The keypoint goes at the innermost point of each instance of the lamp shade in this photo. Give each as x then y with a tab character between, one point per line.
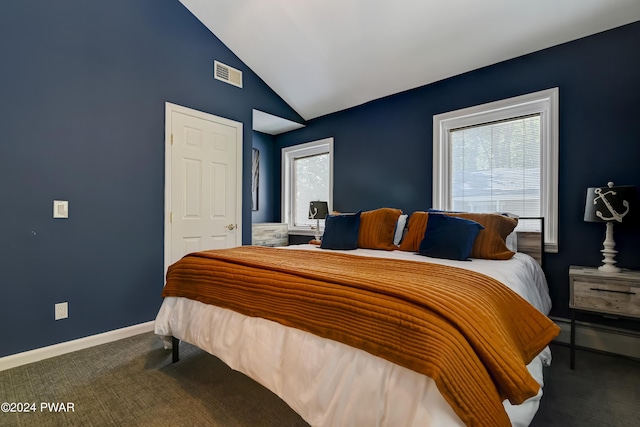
611	203
318	210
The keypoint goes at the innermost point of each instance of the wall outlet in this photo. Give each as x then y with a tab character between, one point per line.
61	209
62	310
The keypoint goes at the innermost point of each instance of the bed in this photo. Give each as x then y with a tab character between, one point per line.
343	368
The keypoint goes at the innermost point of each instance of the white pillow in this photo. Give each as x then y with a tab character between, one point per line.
400	224
512	239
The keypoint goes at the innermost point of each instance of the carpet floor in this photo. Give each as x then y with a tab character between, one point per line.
132	382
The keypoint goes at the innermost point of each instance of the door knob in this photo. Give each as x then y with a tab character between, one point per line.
230	226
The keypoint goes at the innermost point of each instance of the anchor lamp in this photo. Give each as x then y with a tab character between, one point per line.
318	210
611	205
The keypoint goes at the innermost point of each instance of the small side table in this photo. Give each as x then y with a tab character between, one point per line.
611	294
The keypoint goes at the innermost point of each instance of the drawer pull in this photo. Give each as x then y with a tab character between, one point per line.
610	290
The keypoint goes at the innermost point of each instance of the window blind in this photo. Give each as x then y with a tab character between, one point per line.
496	167
311	182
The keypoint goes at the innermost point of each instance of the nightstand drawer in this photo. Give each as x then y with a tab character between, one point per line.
614	298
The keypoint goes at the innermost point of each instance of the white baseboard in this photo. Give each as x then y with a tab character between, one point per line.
31	356
600	337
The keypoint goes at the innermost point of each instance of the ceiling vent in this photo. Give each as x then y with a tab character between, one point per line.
227	74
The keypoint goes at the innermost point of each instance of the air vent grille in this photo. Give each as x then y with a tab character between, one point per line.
227	74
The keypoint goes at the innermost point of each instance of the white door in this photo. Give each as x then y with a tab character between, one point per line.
204	182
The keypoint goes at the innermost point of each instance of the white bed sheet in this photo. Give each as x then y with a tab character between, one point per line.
332	384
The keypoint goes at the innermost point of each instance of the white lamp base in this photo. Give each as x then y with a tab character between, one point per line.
609	252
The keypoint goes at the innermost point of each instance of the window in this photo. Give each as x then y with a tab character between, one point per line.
307	174
500	157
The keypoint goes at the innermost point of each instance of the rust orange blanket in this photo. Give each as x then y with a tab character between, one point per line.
472	335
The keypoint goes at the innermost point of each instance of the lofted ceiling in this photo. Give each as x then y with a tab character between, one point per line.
323	56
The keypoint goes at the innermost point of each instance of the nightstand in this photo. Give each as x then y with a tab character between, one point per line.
608	294
269	234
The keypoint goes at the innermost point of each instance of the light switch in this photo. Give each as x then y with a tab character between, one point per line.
60	209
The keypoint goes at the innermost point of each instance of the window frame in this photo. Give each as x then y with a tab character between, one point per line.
289	155
545	103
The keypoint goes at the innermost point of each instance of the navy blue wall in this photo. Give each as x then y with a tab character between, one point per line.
269	170
83	89
383	149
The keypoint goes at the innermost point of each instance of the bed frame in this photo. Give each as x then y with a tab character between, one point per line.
175	356
532	242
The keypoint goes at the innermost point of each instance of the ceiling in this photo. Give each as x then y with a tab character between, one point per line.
273	125
323	56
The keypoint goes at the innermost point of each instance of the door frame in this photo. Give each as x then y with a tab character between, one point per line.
169	109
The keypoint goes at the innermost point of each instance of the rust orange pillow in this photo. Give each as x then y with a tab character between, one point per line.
491	242
377	228
415	232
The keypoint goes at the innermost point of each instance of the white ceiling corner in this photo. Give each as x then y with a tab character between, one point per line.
272	125
323	56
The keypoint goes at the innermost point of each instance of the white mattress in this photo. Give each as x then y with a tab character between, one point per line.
332	384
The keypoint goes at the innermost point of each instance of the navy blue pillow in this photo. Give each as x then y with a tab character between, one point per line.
449	237
341	231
